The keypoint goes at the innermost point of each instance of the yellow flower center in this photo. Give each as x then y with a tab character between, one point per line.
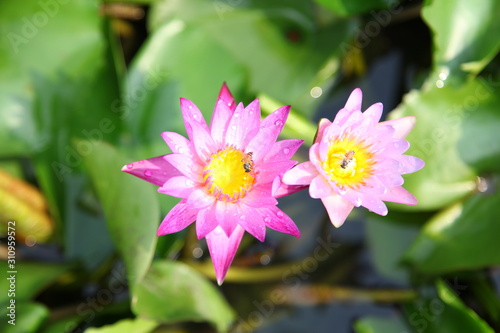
229	174
348	163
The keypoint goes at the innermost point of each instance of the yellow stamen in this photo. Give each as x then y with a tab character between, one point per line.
226	177
348	163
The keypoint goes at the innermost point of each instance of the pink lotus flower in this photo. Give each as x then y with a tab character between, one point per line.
226	175
357	161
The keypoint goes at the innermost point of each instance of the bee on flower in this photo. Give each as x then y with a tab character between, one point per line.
248	162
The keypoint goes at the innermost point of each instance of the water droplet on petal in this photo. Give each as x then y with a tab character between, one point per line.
242	217
267	219
278	123
280	213
148	173
130	166
233	127
180	150
357	202
140	162
286	151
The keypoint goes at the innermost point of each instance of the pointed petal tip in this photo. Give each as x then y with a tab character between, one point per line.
286	108
337	223
225	91
226	97
220	281
160	232
402	126
338	209
357	94
354	101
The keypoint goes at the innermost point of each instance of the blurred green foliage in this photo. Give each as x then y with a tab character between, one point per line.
88	85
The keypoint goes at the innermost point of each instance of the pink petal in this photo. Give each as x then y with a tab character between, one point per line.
220	119
321	148
400	195
370	120
155	170
314	156
180	187
202	141
320	188
374	112
270	128
281	189
269	171
177	219
381	136
390	179
224	108
387	164
374	204
301	174
283	150
226	216
338	209
354	101
191	114
206	221
374	186
355	119
185	166
410	164
340	118
351	196
198	199
275	219
322	125
250	219
397	147
226	97
259	197
331	132
243	125
222	249
402	126
178	144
